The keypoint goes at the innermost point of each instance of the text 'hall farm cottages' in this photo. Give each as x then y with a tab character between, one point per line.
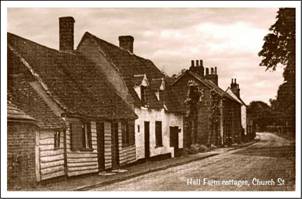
100	107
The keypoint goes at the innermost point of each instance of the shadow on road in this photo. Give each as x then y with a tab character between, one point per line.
278	152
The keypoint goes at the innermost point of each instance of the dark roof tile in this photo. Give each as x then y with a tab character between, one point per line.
73	80
130	66
23	96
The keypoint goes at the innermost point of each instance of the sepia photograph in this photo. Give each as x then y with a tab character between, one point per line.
197	97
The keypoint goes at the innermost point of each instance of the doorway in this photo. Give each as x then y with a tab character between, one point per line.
174	130
114	145
100	145
147	140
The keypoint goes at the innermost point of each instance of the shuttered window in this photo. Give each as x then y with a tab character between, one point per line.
80	133
125	134
57	140
158	134
86	135
131	127
89	135
128	137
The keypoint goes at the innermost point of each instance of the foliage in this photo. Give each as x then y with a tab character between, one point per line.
261	114
279	48
279	45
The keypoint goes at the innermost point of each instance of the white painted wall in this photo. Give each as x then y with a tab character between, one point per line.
167	119
243	119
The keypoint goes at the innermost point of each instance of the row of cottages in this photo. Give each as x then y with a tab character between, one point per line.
95	108
100	106
212	116
83	126
159	126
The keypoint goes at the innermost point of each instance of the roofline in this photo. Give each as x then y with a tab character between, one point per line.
45	87
97	38
239	98
201	81
37	77
23	120
190	73
82	39
87	117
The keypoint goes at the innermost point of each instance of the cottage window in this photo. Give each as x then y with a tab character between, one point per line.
86	136
158	134
57	140
125	134
128	133
131	127
143	95
80	136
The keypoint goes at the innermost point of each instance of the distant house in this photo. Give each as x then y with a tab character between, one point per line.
212	115
234	91
159	126
87	127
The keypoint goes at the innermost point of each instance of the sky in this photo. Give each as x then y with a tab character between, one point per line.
226	38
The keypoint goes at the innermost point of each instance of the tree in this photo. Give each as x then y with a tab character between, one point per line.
279	45
261	114
279	49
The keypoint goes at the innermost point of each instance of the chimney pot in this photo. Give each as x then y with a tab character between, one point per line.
192	63
66	33
215	71
212	71
207	71
197	62
126	42
201	62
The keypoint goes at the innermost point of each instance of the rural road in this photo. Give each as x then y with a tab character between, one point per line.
268	165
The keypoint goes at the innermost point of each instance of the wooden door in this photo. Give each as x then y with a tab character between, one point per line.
100	145
147	140
114	145
174	130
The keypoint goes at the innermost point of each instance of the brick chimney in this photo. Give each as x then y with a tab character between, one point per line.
201	68
235	88
197	67
66	32
212	76
126	42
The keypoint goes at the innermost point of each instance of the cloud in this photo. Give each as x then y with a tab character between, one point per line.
228	38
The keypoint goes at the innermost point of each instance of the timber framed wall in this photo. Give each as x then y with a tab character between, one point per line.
81	162
51	161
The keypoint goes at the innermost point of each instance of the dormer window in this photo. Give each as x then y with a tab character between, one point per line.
140	87
143	95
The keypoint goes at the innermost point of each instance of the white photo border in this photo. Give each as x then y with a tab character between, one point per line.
144	4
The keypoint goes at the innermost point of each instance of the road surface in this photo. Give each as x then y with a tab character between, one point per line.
267	165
